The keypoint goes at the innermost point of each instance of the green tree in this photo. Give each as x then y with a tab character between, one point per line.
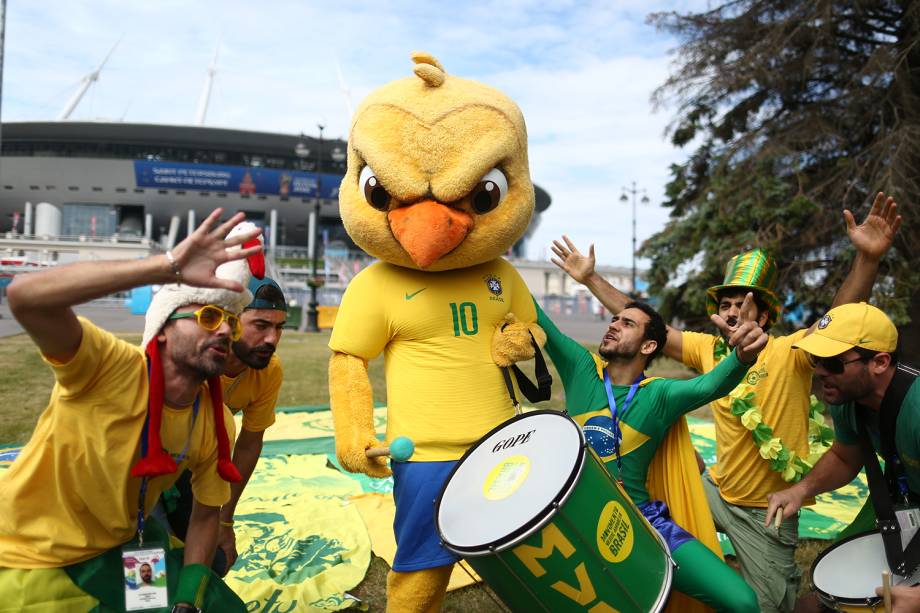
792	111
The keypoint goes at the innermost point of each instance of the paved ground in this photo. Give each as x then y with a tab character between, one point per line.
114	319
119	319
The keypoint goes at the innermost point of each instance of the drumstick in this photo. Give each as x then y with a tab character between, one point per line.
400	450
779	518
886	589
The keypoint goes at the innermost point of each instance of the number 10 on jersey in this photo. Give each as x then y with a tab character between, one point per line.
465	319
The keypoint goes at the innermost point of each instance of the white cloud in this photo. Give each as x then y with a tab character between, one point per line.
582	72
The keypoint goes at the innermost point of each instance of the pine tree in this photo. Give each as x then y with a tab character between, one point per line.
793	111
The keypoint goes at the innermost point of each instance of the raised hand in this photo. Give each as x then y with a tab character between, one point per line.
874	236
199	255
578	266
748	338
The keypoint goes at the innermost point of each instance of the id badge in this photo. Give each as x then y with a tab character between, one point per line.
145	578
909	520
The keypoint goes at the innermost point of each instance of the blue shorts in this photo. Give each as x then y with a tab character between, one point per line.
416	485
657	514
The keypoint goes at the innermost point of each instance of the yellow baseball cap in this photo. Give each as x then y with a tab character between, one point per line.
848	326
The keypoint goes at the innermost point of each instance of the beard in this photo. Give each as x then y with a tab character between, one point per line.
256	357
617	353
209	364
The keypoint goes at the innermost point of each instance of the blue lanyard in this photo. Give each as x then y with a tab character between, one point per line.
143	493
617	414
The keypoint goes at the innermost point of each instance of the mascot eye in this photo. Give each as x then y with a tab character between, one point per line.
374	193
492	189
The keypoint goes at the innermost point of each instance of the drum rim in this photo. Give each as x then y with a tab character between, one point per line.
540	519
841	599
665	592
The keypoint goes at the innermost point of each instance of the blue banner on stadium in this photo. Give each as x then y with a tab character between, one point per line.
240	179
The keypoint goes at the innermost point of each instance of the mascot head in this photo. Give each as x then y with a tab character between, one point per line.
437	172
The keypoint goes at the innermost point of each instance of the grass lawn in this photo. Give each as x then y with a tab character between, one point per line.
27	381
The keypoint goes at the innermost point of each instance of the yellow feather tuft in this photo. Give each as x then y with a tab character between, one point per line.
428	68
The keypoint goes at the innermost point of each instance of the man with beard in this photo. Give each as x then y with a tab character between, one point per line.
775	393
121	424
864	384
636	425
251	381
146	574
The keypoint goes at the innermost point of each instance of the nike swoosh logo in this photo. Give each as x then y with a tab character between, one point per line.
415	293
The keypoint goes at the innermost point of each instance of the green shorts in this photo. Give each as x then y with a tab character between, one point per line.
767	556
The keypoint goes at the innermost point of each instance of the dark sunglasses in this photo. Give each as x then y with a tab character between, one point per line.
836	365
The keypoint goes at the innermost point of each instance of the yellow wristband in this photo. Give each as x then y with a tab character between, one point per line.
226	524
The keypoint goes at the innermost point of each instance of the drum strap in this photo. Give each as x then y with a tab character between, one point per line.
883	488
534	393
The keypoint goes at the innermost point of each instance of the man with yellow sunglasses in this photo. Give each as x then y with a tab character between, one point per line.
251	381
121	425
210	316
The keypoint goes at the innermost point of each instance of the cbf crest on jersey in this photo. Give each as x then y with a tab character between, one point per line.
494	284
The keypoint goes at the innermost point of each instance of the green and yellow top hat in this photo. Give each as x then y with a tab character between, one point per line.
754	270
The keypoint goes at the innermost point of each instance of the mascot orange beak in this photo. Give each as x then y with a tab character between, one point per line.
428	229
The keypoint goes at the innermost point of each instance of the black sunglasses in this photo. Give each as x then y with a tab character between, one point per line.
836	365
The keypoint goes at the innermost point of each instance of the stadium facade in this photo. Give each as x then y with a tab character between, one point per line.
126	181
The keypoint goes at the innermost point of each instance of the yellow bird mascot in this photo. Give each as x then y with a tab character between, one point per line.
437	188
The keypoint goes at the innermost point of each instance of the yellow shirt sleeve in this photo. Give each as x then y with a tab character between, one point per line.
260	414
101	355
255	394
694	345
361	326
801	359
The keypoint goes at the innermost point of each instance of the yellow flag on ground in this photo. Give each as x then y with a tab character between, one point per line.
302	545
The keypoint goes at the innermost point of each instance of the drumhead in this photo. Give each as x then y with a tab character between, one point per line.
510	483
852	568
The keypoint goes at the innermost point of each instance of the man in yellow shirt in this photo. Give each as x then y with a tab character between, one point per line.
775	394
251	381
120	424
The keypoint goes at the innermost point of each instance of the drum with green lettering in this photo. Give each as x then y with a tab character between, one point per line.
534	512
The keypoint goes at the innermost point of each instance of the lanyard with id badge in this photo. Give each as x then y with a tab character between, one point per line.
145	562
616	415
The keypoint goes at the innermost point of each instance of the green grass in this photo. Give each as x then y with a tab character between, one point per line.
27	381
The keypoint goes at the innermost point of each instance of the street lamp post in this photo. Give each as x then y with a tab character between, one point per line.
312	310
624	197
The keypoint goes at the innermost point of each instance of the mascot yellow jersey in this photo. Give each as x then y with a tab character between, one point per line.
443	389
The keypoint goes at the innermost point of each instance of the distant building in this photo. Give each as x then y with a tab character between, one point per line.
151	182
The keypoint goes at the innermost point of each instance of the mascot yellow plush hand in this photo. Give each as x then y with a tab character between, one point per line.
437	188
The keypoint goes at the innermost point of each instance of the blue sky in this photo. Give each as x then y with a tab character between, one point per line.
582	72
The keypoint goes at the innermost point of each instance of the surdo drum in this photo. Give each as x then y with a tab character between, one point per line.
846	574
534	512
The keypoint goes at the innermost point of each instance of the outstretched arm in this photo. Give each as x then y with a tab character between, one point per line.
748	340
41	301
581	268
245	457
872	239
